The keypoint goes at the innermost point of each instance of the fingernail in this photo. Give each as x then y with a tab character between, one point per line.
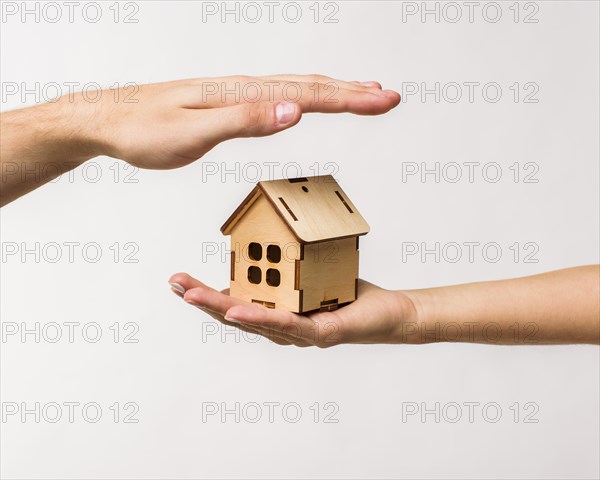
232	320
369	84
176	286
285	112
389	93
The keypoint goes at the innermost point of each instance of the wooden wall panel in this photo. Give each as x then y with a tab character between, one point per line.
329	270
261	224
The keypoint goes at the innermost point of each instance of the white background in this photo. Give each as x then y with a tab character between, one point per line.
176	367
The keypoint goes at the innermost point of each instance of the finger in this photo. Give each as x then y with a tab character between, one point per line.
330	98
326	99
372	84
211	299
216	304
312	79
249	329
312	97
288	325
269	334
322	329
240	85
283	325
181	282
211	308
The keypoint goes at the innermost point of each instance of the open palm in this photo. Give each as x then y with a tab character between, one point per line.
375	317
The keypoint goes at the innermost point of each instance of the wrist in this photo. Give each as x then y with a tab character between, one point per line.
416	317
76	127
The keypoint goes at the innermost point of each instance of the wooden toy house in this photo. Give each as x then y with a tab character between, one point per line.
294	245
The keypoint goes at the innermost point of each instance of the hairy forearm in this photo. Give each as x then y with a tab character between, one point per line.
558	307
38	144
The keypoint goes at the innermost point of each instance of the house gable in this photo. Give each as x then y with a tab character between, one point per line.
261	224
315	209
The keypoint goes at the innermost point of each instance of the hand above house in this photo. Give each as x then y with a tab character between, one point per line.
558	307
166	125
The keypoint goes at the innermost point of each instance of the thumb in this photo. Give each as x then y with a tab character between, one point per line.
252	119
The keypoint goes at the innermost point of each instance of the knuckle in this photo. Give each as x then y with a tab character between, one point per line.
180	277
193	294
242	79
315	77
326	343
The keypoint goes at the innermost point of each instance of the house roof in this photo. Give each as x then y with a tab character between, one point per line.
315	208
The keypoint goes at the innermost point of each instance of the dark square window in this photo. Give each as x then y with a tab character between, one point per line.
273	277
274	253
255	251
254	275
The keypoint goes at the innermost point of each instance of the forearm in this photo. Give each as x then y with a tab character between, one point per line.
552	308
38	144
